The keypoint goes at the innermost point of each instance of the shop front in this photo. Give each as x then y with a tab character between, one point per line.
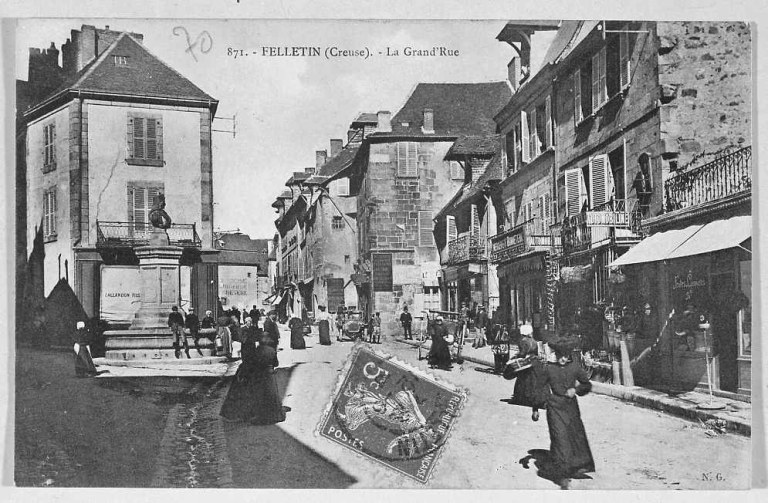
464	283
523	292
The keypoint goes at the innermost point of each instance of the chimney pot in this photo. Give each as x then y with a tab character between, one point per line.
383	121
428	126
336	145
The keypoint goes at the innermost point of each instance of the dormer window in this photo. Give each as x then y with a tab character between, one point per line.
120	60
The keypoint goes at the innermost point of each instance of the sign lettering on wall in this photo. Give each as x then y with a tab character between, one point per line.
239	286
382	272
120	296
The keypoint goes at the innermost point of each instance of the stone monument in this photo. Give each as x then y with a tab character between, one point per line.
149	337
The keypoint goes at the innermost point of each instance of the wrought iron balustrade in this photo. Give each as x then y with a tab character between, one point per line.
725	176
533	235
129	234
466	248
598	226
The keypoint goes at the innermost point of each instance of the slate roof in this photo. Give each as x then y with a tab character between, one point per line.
340	161
459	109
365	119
145	76
476	145
570	34
512	28
239	248
493	172
298	176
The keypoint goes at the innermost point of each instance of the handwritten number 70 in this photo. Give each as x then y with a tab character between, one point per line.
203	42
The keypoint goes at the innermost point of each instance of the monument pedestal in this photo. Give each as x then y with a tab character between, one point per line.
149	337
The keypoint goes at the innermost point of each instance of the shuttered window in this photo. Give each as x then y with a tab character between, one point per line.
600	177
533	135
548	114
578	114
599	90
342	186
141	199
524	138
49	148
425	229
455	170
574	191
625	62
450	228
49	214
475	216
407	158
145	140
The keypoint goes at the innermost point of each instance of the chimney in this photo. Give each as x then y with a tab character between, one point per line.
309	171
383	122
428	126
513	73
320	157
336	146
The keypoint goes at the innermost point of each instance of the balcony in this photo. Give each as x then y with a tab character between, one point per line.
530	236
726	176
466	248
609	223
131	234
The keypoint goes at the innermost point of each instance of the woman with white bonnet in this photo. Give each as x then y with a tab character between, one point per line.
84	366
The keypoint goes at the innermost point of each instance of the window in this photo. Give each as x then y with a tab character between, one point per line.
543	123
141	199
533	137
575	191
120	60
474	216
450	228
49	148
342	187
601	187
456	170
625	60
145	140
599	89
425	228
525	151
49	214
337	223
509	151
578	114
407	157
347	259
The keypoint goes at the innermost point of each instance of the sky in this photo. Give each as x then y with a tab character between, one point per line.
286	108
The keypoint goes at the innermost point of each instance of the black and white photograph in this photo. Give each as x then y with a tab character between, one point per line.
370	253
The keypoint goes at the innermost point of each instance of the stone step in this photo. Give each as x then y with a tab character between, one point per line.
151	342
166	356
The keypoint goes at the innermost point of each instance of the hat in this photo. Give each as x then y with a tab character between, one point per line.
439	318
80	324
563	346
208	313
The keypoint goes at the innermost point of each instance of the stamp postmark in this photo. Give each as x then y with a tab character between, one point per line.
392	413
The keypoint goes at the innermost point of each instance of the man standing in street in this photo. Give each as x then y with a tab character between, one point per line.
271	331
376	337
193	324
405	320
481	325
176	322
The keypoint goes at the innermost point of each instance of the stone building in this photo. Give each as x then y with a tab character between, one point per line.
113	127
243	271
401	180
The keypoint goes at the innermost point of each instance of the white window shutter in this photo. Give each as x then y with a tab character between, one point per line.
573	191
450	231
533	134
603	89
578	114
595	81
599	180
525	139
548	133
625	69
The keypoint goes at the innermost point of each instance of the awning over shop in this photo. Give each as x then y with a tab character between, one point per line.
656	247
693	240
277	300
715	236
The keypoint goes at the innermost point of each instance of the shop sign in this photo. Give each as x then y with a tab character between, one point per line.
239	286
689	286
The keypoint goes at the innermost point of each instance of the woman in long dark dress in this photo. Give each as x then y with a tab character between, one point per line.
253	395
324	326
529	391
297	333
439	354
570	455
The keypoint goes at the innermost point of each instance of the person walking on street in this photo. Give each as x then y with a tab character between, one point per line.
193	325
271	331
254	315
481	326
324	326
570	455
439	355
376	337
406	320
176	322
297	333
81	338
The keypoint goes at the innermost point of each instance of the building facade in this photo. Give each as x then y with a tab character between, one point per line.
121	128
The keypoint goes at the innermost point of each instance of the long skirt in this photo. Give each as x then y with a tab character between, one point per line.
325	332
254	399
84	363
439	354
528	392
569	448
297	338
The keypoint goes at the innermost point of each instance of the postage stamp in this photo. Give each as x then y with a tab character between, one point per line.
392	413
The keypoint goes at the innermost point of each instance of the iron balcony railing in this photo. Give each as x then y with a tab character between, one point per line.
466	248
604	224
533	235
725	176
129	234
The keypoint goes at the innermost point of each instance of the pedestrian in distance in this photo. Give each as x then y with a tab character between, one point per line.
271	331
297	333
406	320
527	371
192	323
570	454
81	338
324	326
254	315
176	323
481	326
439	355
376	337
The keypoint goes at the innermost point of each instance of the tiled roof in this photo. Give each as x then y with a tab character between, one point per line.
241	249
144	76
570	34
316	180
493	172
459	109
476	145
340	161
298	176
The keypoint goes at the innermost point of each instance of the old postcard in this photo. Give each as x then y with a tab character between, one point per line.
381	254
